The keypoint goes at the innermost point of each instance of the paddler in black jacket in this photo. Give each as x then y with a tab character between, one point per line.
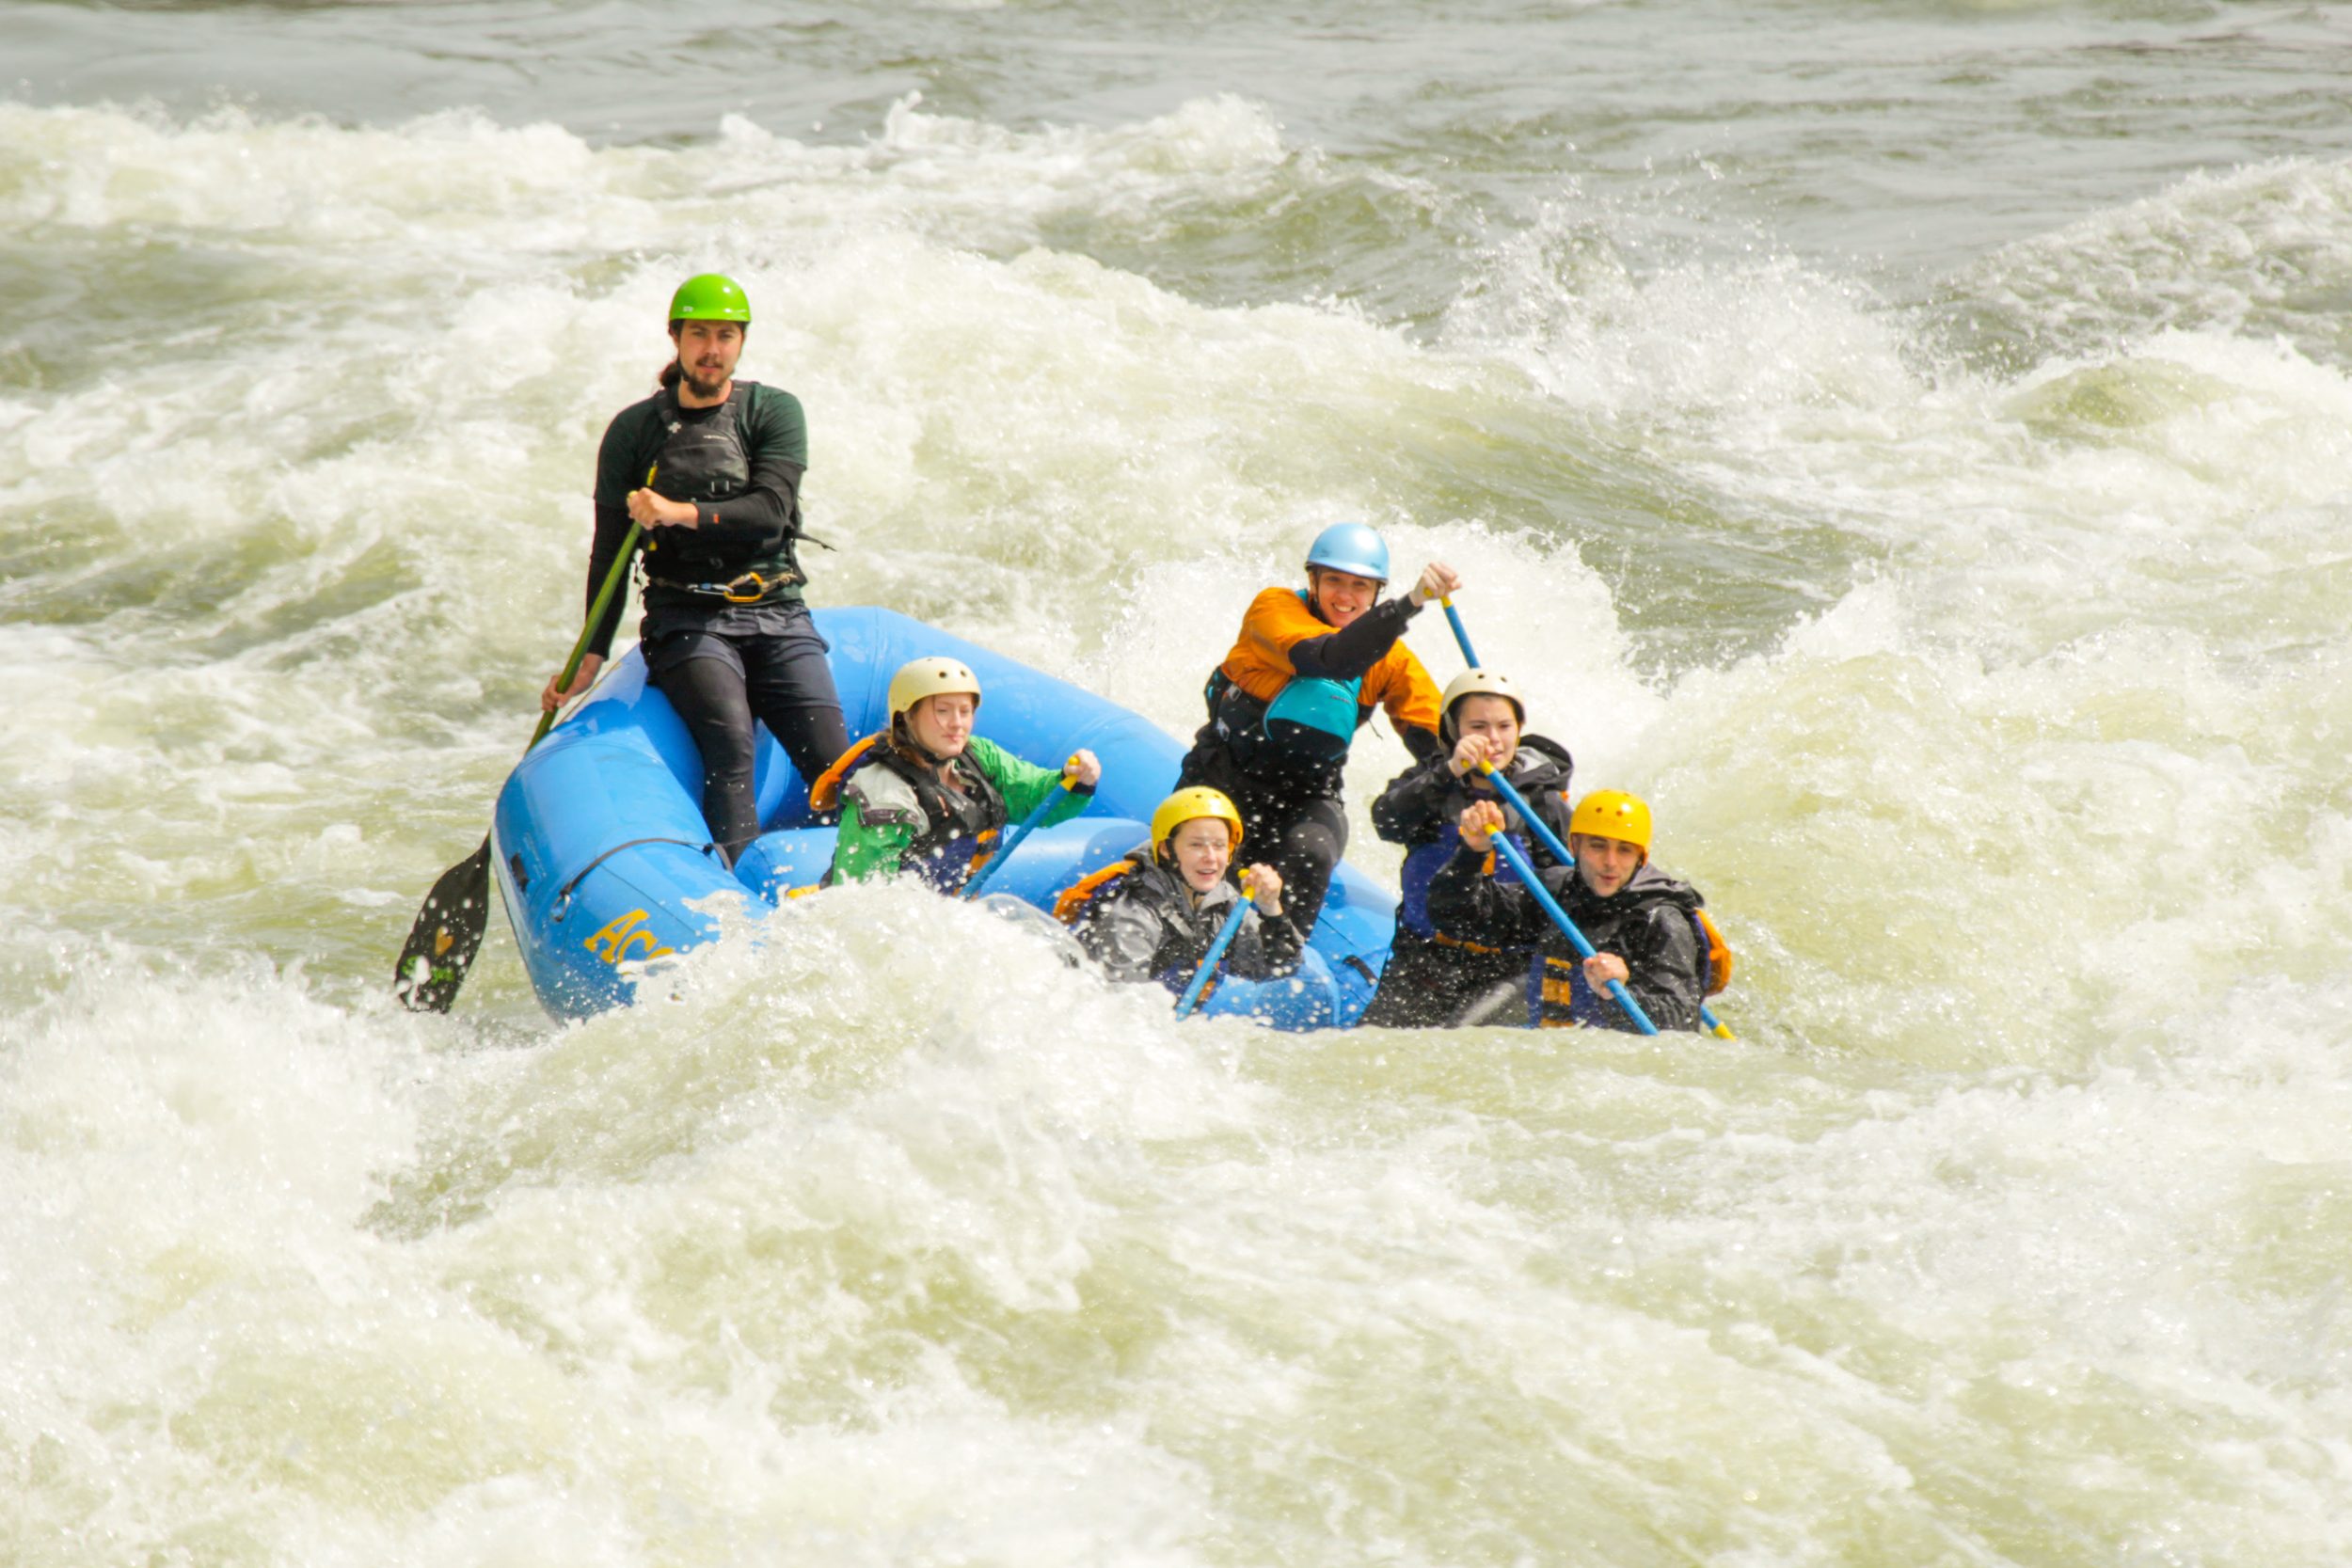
1645	924
1154	914
1435	981
712	468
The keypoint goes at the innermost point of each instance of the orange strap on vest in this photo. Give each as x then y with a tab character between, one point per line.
1485	869
1444	940
1075	898
1717	955
825	793
1561	992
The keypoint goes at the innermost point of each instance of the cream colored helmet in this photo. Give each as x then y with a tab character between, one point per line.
1479	683
919	678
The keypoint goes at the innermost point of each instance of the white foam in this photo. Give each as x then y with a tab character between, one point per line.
879	1236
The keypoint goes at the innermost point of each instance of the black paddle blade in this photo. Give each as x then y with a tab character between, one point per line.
447	935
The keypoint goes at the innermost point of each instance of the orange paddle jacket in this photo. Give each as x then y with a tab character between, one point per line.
1263	658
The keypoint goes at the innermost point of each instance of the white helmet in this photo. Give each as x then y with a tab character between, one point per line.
1479	683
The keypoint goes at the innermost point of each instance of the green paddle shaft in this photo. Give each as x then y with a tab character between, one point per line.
447	933
611	586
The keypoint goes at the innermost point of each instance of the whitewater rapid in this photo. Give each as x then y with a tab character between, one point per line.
1976	628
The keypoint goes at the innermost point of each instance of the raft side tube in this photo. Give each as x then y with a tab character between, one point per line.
600	844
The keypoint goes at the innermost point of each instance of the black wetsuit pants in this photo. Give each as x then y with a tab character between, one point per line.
1301	837
722	670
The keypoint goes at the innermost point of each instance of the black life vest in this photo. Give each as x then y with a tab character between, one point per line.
961	825
1540	772
1559	996
706	460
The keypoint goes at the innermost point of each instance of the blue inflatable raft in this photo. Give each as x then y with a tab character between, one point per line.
599	847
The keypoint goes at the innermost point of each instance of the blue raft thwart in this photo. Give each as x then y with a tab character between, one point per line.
599	845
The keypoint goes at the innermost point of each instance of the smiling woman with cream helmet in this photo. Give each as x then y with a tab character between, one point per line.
926	795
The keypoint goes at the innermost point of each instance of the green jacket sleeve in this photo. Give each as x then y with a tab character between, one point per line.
1023	785
864	853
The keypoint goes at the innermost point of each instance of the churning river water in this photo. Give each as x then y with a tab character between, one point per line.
1909	442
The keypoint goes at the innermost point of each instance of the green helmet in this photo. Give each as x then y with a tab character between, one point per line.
710	296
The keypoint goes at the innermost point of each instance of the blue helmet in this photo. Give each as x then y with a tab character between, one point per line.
1355	548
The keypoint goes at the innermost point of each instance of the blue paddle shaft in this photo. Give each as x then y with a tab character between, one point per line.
1454	618
1559	851
1544	835
1029	825
1520	863
1216	951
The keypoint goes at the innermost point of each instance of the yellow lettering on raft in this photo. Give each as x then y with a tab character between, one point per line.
616	941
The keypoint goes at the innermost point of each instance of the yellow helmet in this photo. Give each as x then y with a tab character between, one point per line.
1481	683
1613	813
919	678
1188	806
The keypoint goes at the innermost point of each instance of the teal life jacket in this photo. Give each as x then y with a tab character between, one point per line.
1300	737
1314	715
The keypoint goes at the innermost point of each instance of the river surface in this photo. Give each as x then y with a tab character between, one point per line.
1909	442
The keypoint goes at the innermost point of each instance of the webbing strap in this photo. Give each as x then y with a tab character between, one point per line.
564	893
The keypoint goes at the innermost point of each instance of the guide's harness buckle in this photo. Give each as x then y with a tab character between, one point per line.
734	591
731	591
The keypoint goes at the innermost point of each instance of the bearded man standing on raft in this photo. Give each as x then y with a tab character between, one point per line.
711	468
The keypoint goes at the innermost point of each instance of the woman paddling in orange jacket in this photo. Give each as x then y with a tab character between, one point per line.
1307	670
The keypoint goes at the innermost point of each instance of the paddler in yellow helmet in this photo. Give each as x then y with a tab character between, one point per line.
1152	916
1306	672
925	796
1649	929
710	468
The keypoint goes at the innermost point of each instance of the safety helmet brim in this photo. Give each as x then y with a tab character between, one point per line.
1190	805
921	678
1352	547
